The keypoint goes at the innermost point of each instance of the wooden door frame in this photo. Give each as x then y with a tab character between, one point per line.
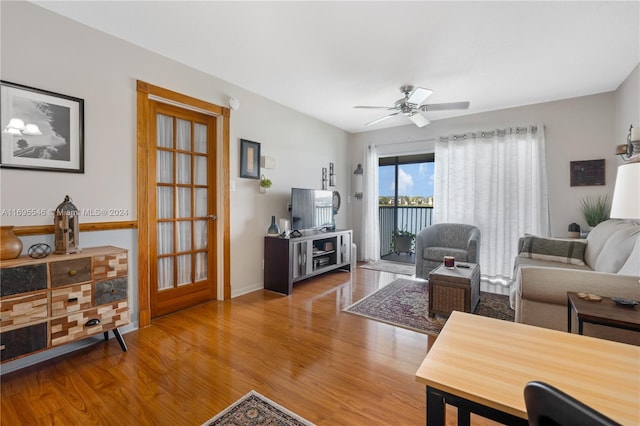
144	93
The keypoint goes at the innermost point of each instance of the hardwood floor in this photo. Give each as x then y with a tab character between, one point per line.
301	351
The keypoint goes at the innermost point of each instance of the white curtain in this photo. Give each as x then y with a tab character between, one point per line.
371	233
497	181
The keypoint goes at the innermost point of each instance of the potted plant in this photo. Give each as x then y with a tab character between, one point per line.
402	241
265	184
595	209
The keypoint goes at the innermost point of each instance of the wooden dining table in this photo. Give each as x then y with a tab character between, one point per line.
481	365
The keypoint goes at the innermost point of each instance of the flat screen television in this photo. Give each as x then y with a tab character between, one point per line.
311	209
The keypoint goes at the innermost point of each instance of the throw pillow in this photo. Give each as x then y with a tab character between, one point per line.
554	249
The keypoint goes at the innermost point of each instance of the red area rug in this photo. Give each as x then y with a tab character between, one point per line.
404	303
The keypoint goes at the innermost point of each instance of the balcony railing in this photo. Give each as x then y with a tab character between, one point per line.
410	218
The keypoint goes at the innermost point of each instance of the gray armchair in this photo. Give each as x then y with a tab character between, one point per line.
446	239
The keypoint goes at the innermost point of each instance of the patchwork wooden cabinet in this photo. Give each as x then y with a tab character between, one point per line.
62	298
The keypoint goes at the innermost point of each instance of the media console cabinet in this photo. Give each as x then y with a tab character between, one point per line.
289	260
62	298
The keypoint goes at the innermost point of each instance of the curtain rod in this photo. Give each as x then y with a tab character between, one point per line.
398	143
490	133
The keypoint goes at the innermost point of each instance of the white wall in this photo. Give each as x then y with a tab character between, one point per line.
576	129
50	52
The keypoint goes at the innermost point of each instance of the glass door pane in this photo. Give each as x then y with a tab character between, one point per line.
182	202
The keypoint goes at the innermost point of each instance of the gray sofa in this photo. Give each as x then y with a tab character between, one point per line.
547	268
433	243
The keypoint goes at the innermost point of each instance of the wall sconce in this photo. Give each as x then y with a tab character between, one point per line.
324	178
357	182
632	147
267	162
17	126
332	175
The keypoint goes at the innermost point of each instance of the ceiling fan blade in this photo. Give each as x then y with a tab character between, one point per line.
418	95
381	119
418	119
374	107
444	106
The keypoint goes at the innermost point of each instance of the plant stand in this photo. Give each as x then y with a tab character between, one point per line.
402	244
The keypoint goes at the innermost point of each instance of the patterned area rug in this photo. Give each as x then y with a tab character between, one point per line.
254	409
393	267
404	303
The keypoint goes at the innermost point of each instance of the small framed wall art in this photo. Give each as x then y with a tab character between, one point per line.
249	159
41	130
587	173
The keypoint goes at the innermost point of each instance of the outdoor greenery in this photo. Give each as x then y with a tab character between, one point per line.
406	201
595	209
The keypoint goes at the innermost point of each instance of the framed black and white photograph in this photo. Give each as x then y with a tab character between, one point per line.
249	159
41	130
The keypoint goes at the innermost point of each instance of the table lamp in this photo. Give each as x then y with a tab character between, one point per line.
626	195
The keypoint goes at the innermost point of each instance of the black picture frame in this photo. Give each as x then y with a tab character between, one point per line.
249	159
56	144
587	173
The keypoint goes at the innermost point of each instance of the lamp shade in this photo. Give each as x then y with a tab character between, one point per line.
626	195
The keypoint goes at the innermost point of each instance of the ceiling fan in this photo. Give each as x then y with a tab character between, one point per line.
411	106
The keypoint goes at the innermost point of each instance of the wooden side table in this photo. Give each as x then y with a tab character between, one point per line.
603	312
454	289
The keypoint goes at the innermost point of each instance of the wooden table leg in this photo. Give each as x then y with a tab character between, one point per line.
119	338
464	417
435	407
569	315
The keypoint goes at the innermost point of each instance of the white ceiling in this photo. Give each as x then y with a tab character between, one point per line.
322	58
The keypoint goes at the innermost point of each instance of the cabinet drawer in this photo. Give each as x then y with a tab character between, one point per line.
70	271
74	326
23	309
65	300
22	279
23	341
110	291
110	266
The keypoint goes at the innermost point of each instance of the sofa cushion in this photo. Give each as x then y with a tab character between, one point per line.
599	236
554	249
525	261
632	265
617	249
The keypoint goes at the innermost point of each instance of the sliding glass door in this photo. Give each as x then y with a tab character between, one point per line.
405	202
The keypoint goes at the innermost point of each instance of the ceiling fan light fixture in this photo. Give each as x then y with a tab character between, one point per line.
418	119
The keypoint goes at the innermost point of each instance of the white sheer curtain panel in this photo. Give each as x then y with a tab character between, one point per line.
497	181
371	237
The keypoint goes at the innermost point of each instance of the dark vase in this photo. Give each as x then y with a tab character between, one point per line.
273	229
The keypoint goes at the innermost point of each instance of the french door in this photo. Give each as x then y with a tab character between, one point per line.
181	208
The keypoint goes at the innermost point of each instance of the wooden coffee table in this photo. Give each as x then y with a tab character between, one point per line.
454	289
603	312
